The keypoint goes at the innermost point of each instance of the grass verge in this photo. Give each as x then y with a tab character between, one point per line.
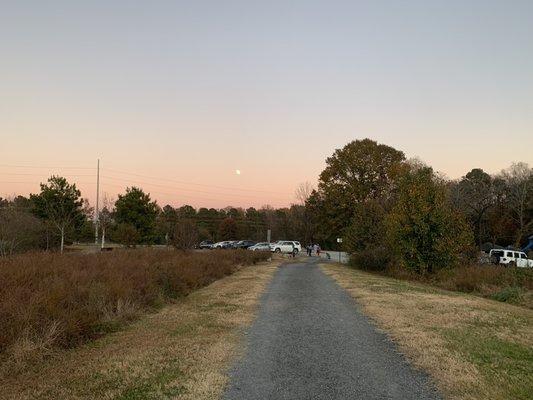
505	284
474	348
180	352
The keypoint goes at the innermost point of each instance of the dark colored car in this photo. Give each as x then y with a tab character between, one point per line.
206	244
243	244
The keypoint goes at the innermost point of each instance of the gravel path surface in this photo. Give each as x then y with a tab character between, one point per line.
310	341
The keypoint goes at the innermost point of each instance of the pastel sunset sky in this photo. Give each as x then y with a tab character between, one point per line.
175	96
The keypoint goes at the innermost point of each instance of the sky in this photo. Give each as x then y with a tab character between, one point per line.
175	96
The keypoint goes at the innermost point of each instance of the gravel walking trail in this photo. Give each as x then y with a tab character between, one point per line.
310	341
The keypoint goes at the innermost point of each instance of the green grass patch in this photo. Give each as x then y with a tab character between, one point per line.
508	363
157	386
513	295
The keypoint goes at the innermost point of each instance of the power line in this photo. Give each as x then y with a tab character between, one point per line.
143	176
229	196
163	193
177	194
26	174
38	183
174	195
181	188
42	167
190	183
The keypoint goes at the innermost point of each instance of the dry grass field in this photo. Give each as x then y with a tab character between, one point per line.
474	348
50	301
182	351
508	285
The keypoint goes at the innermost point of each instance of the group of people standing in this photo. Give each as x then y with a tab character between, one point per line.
313	248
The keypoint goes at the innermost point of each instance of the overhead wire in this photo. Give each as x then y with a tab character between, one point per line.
219	195
43	167
190	183
181	188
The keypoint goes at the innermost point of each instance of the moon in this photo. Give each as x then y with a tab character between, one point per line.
237	172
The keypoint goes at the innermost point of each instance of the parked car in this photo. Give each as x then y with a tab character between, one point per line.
243	244
510	258
205	244
261	246
285	246
222	245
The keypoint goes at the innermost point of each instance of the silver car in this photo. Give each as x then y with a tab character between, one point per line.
262	246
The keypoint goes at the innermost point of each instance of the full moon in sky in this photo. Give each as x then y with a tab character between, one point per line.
237	171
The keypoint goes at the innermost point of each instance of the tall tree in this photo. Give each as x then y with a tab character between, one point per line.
20	230
166	222
360	171
186	211
303	191
424	230
228	229
519	185
208	220
59	203
474	195
185	234
135	208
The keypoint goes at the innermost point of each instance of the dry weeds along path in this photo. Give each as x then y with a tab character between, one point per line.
181	352
310	341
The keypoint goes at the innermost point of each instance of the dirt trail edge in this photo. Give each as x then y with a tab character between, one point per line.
310	341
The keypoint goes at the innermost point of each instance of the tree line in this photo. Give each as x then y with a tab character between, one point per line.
387	209
394	211
58	215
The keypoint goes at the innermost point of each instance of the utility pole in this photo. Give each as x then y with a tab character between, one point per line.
96	211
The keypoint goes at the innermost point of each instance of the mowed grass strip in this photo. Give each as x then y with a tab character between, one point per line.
181	352
474	348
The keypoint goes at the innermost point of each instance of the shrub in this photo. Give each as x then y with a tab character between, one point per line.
184	236
126	234
364	238
483	279
509	295
371	259
513	285
19	231
50	300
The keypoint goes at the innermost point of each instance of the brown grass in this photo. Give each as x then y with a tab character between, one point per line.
181	352
51	300
510	285
513	285
474	348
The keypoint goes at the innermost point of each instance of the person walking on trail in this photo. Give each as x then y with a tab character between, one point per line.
309	250
315	248
318	250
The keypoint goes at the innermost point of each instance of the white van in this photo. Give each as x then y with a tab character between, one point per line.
510	257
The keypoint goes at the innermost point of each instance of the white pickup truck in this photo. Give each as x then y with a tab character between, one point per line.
285	246
510	258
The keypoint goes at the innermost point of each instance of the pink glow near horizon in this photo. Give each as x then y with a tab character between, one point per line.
164	189
193	91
